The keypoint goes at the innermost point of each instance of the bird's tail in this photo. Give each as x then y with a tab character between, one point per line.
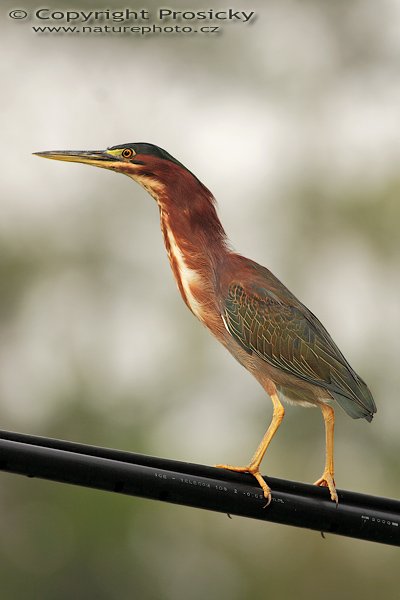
359	404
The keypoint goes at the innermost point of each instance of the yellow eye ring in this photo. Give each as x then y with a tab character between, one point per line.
127	153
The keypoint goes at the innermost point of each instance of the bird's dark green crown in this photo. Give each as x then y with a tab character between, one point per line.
149	150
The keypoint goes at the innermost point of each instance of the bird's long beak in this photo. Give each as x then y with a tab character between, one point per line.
97	158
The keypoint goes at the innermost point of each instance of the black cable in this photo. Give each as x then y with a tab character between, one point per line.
357	515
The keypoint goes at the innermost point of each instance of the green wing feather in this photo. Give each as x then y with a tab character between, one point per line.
289	337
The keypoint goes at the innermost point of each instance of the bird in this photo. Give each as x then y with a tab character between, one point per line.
247	309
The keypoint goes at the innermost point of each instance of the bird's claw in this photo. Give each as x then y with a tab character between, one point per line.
265	488
256	473
268	497
328	481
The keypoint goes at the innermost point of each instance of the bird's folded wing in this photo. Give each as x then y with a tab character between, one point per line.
290	338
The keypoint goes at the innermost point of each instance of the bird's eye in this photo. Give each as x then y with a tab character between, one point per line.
127	153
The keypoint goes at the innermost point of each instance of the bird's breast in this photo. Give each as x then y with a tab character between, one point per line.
194	274
189	280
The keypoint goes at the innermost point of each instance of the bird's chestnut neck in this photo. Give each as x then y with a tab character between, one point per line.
187	209
195	226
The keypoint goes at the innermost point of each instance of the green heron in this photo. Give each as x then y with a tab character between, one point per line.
262	324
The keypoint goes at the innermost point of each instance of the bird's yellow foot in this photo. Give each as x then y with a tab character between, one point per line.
327	481
253	470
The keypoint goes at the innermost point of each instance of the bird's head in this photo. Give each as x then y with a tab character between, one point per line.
151	166
176	190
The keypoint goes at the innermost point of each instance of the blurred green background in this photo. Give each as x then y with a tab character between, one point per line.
293	122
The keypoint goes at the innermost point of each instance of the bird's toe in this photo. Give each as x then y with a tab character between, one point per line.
328	481
253	470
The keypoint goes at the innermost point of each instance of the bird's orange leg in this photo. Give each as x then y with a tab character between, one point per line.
254	466
327	478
